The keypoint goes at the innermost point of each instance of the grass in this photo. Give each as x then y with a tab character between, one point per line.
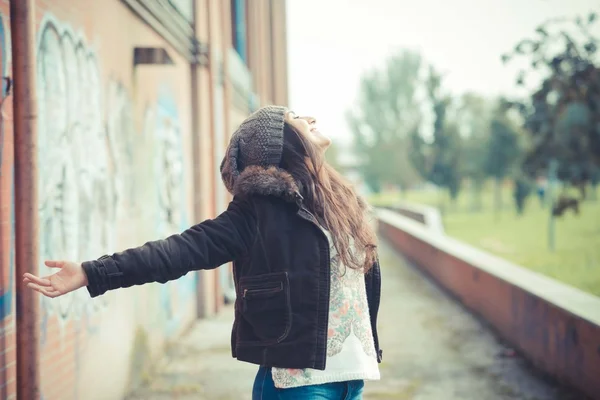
523	239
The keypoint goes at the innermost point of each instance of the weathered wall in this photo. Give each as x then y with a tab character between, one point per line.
127	154
7	238
115	171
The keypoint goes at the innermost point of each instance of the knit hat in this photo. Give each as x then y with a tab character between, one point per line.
258	141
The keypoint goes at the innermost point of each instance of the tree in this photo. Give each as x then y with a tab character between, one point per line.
503	149
474	115
386	111
563	114
439	161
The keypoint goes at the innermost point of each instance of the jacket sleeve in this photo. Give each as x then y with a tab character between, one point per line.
203	246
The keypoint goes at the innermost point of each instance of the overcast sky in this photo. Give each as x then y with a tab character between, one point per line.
332	42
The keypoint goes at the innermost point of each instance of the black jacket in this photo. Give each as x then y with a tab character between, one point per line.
281	270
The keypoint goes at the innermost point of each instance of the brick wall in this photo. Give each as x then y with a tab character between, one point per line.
121	137
7	265
115	171
120	163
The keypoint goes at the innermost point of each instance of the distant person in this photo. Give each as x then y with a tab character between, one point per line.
542	186
306	272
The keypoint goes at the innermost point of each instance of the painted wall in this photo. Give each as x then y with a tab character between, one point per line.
115	171
119	165
7	238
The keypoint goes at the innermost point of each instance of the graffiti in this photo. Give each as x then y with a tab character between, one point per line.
76	192
169	168
171	196
6	293
96	169
7	272
5	53
121	135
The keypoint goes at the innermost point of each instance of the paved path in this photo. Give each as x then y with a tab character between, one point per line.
433	350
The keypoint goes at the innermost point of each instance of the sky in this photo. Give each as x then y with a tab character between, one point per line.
331	43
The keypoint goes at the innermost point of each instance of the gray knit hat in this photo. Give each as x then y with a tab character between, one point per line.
258	141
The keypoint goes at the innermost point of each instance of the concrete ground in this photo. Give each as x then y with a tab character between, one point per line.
432	350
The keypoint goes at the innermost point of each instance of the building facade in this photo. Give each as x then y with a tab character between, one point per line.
136	102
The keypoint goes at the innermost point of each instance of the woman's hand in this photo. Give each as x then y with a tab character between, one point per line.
70	277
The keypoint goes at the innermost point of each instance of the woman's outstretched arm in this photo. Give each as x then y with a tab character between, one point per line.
203	246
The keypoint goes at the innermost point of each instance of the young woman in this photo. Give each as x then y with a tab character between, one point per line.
305	266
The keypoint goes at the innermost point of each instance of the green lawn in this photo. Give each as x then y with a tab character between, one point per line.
524	240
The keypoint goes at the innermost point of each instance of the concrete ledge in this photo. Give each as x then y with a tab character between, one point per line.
426	215
554	325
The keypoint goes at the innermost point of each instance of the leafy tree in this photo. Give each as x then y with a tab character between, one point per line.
563	113
439	162
474	115
503	149
386	112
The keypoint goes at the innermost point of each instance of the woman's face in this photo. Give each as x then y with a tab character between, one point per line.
307	126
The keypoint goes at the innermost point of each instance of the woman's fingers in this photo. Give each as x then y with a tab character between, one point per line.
40	281
46	291
54	264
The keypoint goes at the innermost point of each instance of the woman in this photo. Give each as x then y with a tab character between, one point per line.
305	267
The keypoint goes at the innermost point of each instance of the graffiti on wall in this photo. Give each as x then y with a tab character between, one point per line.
7	271
96	172
171	196
5	53
7	282
121	137
169	168
77	197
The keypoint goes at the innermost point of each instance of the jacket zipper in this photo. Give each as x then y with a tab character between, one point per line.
259	291
249	292
311	218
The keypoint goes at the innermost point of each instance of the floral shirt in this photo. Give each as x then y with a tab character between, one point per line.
350	347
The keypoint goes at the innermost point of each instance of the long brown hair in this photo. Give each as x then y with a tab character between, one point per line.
331	199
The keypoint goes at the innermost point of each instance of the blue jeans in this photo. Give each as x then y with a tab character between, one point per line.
264	389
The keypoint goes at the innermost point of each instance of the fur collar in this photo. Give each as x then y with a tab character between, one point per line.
272	181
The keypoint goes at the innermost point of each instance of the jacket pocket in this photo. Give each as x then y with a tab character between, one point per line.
265	308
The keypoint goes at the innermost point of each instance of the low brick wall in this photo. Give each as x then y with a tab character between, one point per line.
555	326
429	216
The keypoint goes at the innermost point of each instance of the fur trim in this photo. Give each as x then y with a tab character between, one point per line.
271	181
